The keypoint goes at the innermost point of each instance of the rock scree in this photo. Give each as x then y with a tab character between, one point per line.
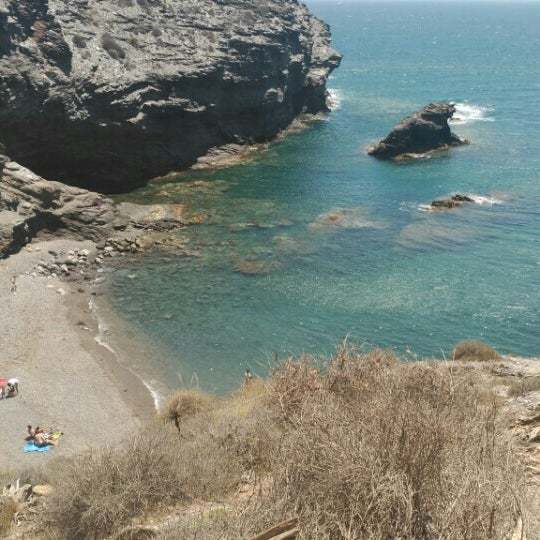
424	131
106	95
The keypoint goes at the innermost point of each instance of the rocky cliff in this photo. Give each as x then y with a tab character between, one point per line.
106	94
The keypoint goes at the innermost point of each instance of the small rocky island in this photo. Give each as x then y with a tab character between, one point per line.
454	201
423	132
106	95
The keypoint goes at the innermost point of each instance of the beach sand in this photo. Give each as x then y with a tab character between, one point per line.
67	379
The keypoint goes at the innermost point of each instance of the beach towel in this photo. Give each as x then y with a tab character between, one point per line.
31	447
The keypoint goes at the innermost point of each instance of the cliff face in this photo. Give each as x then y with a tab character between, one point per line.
106	94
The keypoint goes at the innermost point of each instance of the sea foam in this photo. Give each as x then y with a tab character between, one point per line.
485	199
334	99
467	113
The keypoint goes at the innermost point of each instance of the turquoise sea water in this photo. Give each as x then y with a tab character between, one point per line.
390	274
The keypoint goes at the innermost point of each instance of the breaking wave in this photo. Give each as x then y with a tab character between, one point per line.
334	99
467	113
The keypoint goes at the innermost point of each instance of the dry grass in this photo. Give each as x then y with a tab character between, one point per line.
101	490
368	448
523	386
8	509
475	351
387	450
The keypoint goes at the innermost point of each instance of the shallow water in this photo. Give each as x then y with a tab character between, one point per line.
342	241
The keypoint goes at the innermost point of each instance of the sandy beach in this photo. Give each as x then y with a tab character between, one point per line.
68	380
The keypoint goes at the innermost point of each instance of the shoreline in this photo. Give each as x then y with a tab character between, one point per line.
136	353
68	379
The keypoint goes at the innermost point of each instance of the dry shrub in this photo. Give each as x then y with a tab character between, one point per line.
475	351
292	382
523	385
8	509
390	450
214	524
184	404
100	491
225	446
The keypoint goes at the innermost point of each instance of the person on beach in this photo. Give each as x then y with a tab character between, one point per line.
9	388
42	438
13	284
248	377
12	387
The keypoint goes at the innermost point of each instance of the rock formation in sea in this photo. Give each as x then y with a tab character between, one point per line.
454	201
424	131
105	95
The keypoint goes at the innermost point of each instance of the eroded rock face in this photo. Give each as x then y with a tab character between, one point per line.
425	131
108	94
31	206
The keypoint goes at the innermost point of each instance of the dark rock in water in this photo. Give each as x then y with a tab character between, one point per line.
105	95
424	131
451	202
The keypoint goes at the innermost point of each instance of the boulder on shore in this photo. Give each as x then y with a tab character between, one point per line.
424	131
107	95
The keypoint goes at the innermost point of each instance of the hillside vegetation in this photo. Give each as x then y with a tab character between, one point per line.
367	448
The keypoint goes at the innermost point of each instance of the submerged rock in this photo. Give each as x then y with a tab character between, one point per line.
251	267
451	202
425	131
106	95
344	218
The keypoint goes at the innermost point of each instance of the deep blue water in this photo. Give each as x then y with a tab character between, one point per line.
392	275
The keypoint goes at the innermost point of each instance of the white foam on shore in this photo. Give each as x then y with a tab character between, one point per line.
101	340
335	99
467	113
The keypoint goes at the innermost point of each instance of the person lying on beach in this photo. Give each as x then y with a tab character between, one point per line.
42	438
